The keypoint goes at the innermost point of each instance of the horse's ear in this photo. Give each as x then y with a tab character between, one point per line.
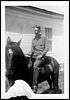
18	43
8	39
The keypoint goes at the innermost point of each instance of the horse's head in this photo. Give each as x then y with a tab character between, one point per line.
12	48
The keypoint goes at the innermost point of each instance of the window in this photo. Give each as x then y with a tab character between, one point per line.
48	34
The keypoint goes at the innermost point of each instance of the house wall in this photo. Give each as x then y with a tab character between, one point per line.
20	25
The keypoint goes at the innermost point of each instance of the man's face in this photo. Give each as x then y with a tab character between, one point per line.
36	30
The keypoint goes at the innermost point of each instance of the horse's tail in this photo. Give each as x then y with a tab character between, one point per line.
55	66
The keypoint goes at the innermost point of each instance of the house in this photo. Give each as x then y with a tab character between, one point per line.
19	22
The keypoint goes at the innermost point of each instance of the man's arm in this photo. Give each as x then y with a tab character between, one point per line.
46	47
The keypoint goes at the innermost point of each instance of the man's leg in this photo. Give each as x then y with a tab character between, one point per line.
36	72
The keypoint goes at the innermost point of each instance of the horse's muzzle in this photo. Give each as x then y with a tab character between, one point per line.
10	53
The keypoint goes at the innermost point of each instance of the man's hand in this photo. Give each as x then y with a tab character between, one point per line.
39	57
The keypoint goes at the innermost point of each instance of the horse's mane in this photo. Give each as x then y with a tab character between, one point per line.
19	51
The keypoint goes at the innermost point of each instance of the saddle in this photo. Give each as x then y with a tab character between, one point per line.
45	61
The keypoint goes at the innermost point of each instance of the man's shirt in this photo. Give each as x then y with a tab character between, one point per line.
38	45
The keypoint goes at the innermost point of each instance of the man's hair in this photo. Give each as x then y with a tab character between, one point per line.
37	27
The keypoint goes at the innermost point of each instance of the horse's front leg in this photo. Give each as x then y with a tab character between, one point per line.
30	63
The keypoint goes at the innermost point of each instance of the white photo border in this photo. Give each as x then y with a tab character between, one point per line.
66	45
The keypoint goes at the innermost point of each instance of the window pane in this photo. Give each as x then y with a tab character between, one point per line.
48	33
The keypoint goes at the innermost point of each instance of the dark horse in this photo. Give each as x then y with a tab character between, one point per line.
17	66
16	63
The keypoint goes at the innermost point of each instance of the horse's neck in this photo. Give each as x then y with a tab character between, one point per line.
20	52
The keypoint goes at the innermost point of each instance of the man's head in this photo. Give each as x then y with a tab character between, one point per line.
37	29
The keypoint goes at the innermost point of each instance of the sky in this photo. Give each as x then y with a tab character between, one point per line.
57	9
55	6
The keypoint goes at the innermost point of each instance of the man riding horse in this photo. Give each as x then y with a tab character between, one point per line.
43	67
38	51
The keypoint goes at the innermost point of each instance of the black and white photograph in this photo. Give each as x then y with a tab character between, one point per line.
34	49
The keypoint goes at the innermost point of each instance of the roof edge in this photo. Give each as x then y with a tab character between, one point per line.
37	11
